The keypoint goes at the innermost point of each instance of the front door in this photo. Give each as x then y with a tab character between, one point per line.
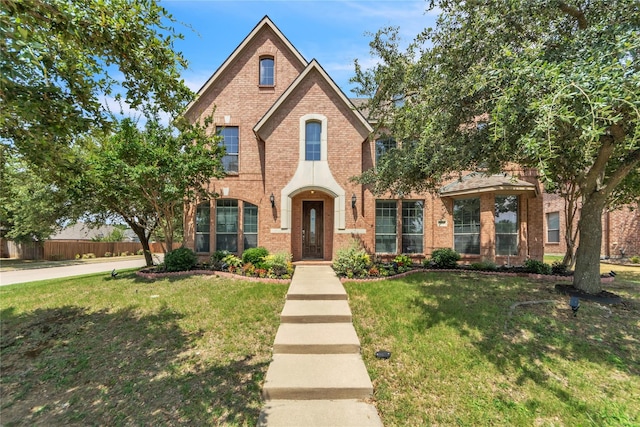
312	230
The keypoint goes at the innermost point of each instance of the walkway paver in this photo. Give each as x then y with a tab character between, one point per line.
317	376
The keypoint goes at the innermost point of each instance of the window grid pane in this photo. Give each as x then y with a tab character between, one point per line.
386	212
266	72
412	227
203	216
227	225
250	225
506	222
312	140
553	227
466	226
230	142
384	145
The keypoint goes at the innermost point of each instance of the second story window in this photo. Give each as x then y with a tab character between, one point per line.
313	131
267	73
383	145
230	142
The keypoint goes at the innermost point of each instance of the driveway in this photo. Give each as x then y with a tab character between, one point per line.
35	274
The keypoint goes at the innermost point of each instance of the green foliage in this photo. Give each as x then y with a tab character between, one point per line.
484	266
352	261
635	259
117	235
181	259
215	260
232	261
254	256
88	256
537	267
444	258
278	264
403	260
108	254
559	269
60	58
547	85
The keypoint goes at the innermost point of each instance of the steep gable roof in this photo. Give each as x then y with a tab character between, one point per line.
313	65
265	22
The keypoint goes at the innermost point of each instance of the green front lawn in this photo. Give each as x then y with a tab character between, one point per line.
458	358
99	351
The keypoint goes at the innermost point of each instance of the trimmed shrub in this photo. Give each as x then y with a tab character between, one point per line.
216	259
254	256
108	254
352	261
140	252
536	267
635	259
444	258
181	259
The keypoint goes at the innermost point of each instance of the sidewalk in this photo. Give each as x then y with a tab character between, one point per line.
317	376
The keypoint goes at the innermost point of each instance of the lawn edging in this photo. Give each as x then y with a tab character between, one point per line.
152	275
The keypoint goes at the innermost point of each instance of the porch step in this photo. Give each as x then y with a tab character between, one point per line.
316	413
316	377
308	284
315	311
316	338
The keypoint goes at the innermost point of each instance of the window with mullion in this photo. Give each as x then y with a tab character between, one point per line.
227	225
267	71
412	226
383	145
386	225
506	221
553	227
250	225
466	226
203	227
231	143
313	130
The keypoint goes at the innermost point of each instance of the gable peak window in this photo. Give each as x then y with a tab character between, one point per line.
267	71
313	133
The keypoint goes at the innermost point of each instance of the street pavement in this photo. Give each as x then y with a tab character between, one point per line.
45	273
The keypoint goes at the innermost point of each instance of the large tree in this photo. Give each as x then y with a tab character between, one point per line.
62	60
548	84
144	175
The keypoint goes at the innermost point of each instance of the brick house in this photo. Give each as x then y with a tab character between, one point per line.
620	229
294	140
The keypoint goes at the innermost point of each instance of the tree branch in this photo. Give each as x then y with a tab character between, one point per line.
575	13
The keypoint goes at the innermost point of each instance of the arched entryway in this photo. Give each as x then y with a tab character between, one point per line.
312	225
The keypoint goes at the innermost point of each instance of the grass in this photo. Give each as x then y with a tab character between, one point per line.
458	358
126	351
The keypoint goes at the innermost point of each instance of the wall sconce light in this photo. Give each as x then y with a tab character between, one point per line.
353	201
272	200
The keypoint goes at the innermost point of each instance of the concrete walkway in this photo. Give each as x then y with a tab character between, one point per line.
317	376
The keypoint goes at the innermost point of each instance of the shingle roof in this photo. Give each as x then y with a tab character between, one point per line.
478	182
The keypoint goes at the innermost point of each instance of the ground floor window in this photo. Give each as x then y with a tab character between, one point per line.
386	211
227	225
466	226
203	217
506	220
553	227
412	226
250	225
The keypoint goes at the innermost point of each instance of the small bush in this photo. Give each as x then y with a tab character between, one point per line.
232	261
88	256
215	260
108	254
181	259
483	266
278	264
559	269
78	256
352	261
125	253
635	259
254	256
536	267
140	252
403	260
444	258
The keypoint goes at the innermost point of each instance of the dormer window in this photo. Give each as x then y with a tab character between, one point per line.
267	71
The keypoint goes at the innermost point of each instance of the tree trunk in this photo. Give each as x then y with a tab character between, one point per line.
141	232
586	276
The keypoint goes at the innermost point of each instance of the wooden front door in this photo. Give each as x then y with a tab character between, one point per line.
312	230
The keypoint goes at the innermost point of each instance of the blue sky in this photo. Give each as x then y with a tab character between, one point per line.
331	31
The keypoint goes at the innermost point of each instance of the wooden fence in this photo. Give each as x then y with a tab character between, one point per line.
58	250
